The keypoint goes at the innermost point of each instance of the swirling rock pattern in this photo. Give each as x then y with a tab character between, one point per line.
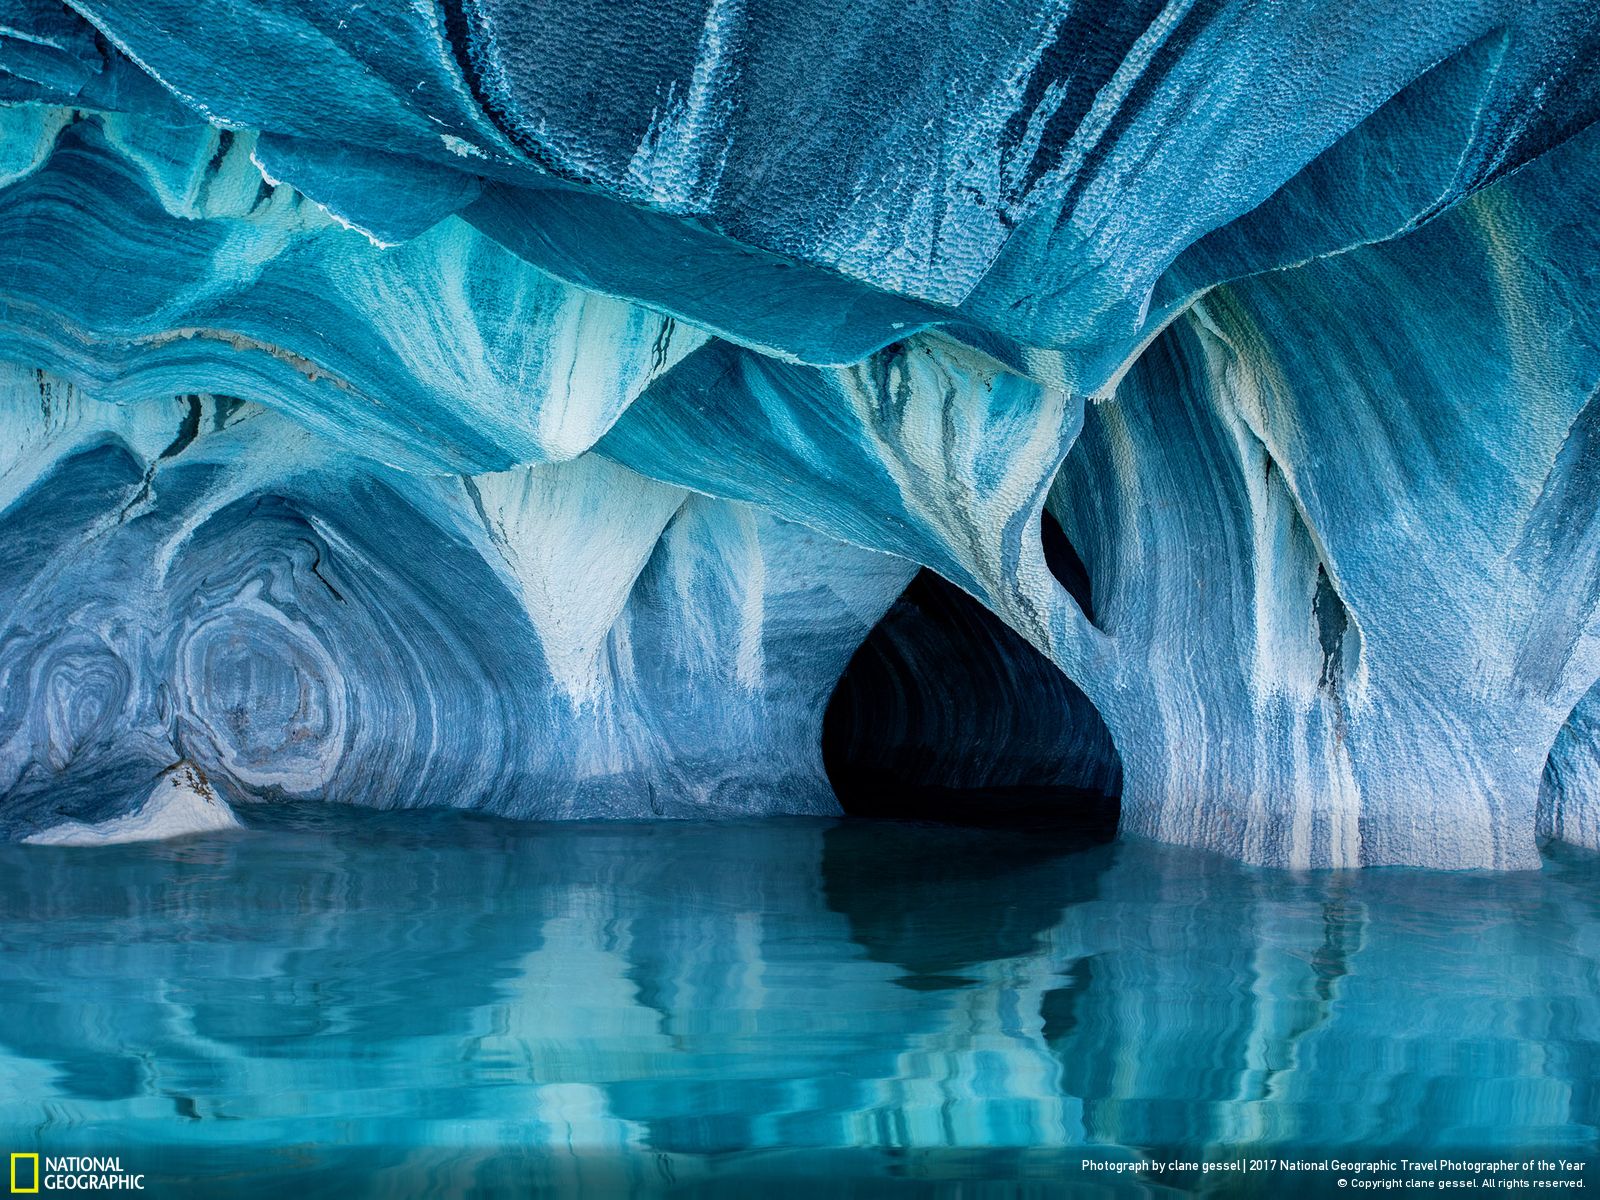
293	623
534	409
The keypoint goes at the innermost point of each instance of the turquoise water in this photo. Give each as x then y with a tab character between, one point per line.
341	1003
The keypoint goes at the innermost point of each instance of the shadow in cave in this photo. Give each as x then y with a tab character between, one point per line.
1000	771
1062	558
946	714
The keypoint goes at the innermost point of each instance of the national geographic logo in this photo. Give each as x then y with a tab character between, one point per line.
30	1174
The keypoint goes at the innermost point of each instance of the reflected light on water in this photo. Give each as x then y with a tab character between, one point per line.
387	1004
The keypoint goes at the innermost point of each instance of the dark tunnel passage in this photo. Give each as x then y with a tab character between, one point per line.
946	714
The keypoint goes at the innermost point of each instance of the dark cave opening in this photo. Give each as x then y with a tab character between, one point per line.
1064	563
946	714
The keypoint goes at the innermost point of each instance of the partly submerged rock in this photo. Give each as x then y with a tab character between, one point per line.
181	803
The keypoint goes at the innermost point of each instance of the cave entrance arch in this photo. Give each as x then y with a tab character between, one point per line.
946	714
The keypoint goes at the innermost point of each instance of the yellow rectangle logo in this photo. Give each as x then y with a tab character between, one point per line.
34	1159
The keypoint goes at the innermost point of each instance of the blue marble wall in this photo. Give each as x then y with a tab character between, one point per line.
533	409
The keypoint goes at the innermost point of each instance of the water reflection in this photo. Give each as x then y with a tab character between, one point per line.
390	1003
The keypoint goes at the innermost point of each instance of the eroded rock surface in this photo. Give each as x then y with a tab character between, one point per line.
532	409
